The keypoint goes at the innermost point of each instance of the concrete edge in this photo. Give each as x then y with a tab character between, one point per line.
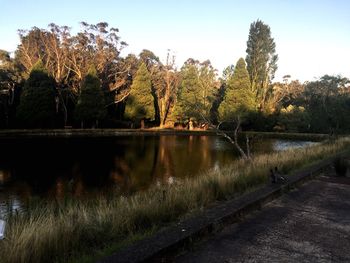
168	242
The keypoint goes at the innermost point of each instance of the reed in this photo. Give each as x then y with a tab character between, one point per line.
65	231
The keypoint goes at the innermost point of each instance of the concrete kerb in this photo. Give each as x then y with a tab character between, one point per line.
165	244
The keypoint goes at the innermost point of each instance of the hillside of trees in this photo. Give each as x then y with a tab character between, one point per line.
56	79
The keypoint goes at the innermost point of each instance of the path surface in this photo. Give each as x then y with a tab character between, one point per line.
310	224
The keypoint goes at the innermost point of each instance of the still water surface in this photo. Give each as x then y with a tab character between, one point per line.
124	165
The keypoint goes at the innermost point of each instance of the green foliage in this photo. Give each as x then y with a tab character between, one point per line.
164	93
187	100
228	73
149	58
197	91
239	99
328	102
293	119
91	103
208	87
37	102
261	60
140	103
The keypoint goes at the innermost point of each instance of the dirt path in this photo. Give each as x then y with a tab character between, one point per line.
310	224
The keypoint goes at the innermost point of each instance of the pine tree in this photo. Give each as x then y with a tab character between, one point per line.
91	104
140	103
238	99
187	103
261	60
196	92
37	102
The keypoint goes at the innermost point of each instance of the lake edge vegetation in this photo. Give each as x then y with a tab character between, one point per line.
45	84
88	227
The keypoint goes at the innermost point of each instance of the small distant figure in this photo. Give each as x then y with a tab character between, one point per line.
276	176
190	125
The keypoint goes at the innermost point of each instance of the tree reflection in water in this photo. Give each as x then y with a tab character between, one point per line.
120	166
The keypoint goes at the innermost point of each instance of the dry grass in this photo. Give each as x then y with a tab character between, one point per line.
62	231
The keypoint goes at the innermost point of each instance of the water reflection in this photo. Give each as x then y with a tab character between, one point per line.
282	145
81	168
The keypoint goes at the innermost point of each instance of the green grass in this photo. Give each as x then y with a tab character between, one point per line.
83	230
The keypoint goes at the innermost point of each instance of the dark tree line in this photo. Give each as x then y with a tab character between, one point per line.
57	79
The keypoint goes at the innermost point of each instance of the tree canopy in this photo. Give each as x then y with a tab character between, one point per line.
261	60
37	106
239	99
196	91
140	103
57	78
91	103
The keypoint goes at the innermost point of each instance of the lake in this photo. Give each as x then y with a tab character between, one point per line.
86	168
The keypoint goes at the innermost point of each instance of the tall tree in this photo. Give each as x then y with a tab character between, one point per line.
155	68
219	96
239	99
120	90
186	101
261	60
91	104
209	87
37	106
197	90
68	57
140	103
168	92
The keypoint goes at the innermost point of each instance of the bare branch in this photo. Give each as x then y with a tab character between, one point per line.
120	100
118	85
233	141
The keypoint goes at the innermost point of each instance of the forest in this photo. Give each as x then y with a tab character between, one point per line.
56	79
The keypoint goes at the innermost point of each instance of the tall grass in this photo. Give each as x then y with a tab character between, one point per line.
61	231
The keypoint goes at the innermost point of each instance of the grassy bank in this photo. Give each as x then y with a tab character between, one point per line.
64	231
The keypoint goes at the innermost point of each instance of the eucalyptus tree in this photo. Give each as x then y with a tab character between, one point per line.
328	102
67	57
164	78
228	73
167	94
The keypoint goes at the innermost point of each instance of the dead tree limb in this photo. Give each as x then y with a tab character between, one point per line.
234	140
119	100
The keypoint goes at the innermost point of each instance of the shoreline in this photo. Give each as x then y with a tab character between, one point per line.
111	133
151	210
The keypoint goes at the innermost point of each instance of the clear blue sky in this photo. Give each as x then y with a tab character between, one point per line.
312	37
